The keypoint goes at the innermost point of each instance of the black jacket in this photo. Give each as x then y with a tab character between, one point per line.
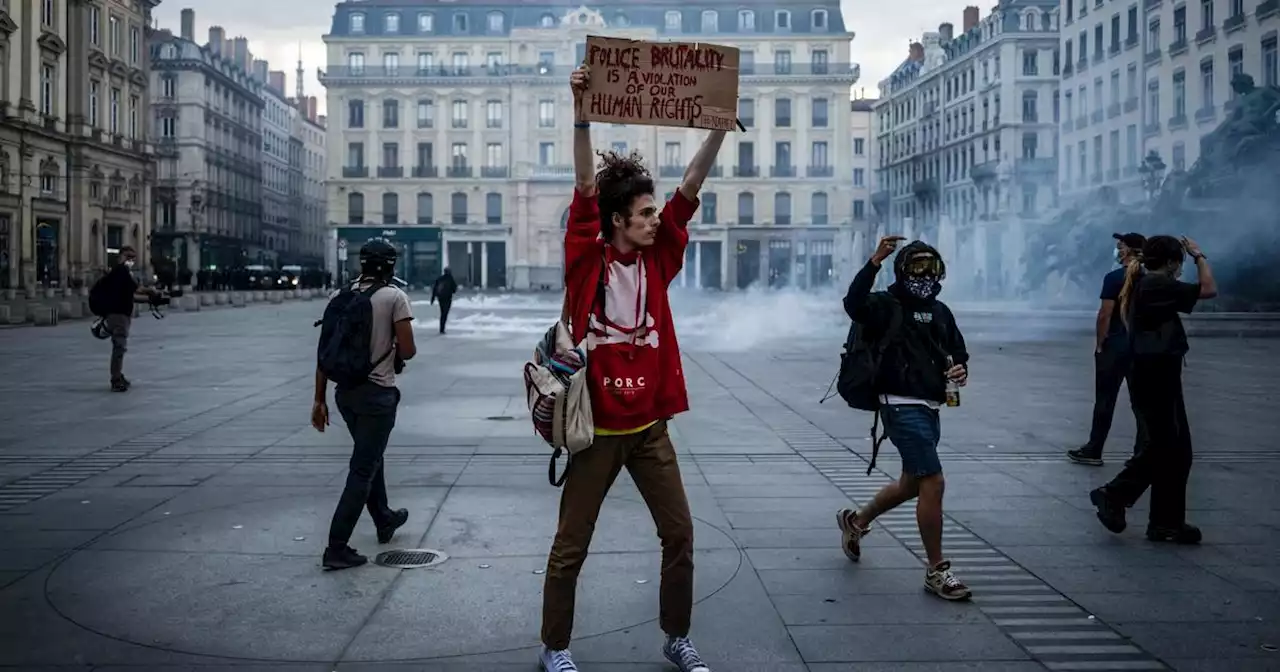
118	291
444	287
915	361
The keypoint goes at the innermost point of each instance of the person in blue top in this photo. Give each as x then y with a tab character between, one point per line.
1111	357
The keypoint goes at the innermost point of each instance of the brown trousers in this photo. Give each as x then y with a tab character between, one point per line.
651	460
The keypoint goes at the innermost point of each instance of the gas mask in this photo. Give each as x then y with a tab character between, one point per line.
920	274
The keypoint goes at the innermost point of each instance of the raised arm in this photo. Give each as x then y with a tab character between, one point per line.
701	165
855	300
584	157
1204	273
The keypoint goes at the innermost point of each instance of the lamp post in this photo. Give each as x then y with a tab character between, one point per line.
1152	172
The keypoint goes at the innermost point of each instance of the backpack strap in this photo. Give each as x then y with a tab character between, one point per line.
890	333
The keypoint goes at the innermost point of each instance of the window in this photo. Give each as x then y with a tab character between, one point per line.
1115	87
391	63
820	109
619	147
1097	94
1180	93
356	23
859	146
782	158
1270	73
547	21
426	155
461	63
1030	144
710	21
1133	24
746	208
1153	102
355	154
820	61
1030	104
493	114
493	155
1114	140
1180	24
493	208
355	62
747	111
168	87
1131	144
709	207
390	208
459	116
133	117
1084	46
546	114
426	208
46	12
746	21
460	24
672	20
746	62
458	207
95	25
859	177
493	61
1235	66
458	152
818	155
391	114
115	111
782	19
135	45
1097	41
113	35
782	62
671	155
818	208
1031	62
355	208
496	22
782	112
95	94
1206	14
426	61
782	208
426	114
819	20
391	23
390	155
355	114
547	154
1206	83
1132	76
168	127
426	22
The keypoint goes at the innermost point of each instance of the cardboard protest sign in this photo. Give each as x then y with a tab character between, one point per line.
690	85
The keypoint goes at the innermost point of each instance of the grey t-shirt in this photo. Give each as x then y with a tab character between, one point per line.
390	305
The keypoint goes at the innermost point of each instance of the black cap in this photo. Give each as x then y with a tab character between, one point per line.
1132	240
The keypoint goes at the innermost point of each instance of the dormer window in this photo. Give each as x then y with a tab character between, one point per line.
710	21
746	21
782	19
621	20
547	21
497	22
819	19
426	22
673	20
357	23
460	23
391	23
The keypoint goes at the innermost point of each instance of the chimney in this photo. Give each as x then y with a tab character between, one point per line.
311	108
946	31
917	52
189	24
216	37
275	81
260	69
321	119
241	53
970	18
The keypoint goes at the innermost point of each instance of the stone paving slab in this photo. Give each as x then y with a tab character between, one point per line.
178	527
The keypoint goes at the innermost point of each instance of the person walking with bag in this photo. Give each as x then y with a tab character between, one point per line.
621	254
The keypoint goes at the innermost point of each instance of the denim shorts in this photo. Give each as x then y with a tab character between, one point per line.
915	430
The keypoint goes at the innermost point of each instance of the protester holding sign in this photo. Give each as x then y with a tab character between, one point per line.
621	254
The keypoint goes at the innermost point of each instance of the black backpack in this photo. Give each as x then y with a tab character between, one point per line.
346	333
855	381
97	298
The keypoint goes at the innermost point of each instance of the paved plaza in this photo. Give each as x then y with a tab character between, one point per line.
179	526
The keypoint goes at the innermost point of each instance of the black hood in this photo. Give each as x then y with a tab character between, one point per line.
912	249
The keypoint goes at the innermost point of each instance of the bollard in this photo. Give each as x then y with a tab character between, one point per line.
277	297
237	300
5	315
189	302
42	315
220	299
259	297
206	299
70	310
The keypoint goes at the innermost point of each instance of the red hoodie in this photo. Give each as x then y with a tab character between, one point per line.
634	372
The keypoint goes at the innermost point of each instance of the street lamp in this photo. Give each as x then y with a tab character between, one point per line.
1152	172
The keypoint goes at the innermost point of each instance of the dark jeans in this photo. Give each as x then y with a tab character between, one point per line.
1164	463
118	326
1112	367
370	413
445	303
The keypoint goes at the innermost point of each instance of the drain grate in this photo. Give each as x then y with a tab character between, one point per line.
410	558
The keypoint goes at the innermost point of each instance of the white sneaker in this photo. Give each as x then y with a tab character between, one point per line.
556	660
941	582
680	651
850	534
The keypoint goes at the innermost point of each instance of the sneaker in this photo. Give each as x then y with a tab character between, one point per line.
342	557
1109	512
1188	535
1085	455
398	518
941	582
680	651
851	534
556	660
119	386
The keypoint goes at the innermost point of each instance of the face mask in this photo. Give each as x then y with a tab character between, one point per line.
921	288
1119	256
130	263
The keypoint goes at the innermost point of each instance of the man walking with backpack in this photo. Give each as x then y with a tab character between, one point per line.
920	349
444	288
112	298
366	336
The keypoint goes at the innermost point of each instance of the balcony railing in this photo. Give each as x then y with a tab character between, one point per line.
425	171
1177	121
1113	110
339	72
1130	42
1206	34
391	171
746	171
494	171
670	171
1267	8
1095	116
1040	165
782	122
1151	128
553	172
1130	104
821	171
1149	5
782	171
355	171
459	171
1152	56
1082	121
1206	113
1177	47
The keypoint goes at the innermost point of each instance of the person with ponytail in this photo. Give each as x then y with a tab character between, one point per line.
621	254
1150	303
1111	357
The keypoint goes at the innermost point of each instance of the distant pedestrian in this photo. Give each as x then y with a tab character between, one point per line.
366	336
921	352
1111	357
443	289
112	298
1150	303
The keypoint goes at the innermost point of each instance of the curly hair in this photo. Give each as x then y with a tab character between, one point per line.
1157	253
619	181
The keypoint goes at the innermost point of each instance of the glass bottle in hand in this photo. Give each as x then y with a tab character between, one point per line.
953	390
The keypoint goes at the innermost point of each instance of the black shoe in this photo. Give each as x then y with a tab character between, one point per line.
1188	535
120	385
1084	455
398	518
342	557
1109	512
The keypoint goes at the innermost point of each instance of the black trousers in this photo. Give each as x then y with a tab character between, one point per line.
445	302
1112	367
370	414
1164	463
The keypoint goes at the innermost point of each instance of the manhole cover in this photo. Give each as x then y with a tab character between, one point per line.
410	558
501	418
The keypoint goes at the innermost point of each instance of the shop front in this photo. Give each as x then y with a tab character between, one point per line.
799	258
419	247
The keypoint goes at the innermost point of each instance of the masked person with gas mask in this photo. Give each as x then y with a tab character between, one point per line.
922	351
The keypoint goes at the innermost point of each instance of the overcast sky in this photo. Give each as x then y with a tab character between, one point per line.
278	28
